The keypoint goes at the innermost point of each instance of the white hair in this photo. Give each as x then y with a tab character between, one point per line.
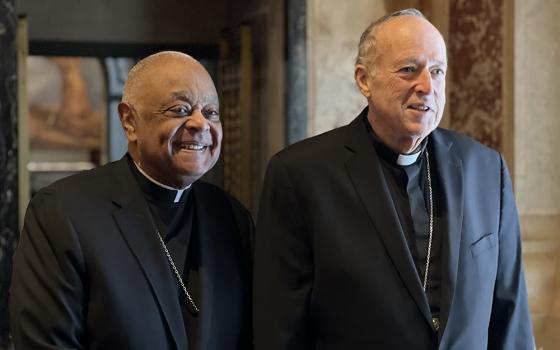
366	47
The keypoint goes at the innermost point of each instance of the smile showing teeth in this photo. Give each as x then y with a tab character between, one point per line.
422	108
192	146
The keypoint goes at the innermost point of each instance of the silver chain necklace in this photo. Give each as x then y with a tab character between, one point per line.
178	275
431	223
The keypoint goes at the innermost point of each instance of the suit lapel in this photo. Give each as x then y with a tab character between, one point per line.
367	176
207	227
139	231
450	171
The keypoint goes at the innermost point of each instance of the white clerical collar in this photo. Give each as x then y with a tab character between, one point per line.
408	159
177	195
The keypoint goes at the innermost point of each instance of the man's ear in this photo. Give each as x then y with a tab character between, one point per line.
362	76
128	121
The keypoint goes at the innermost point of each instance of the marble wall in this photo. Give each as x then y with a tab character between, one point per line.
8	158
537	103
537	164
296	70
333	35
476	63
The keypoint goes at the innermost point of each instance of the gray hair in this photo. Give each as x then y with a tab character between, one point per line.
366	47
135	72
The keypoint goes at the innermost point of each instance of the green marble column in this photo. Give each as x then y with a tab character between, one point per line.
296	70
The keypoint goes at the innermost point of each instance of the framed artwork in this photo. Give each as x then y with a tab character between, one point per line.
67	103
67	124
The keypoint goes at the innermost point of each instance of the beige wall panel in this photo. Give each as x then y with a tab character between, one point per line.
334	31
537	102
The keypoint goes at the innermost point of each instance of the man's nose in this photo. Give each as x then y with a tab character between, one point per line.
197	122
424	84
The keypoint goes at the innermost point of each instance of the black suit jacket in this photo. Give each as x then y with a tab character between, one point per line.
332	268
90	273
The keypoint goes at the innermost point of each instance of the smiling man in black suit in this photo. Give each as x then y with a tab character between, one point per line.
140	254
391	233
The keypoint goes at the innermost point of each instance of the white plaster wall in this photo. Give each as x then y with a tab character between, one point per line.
334	30
537	106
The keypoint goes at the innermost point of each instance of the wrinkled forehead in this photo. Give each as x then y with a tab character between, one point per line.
174	69
168	77
413	33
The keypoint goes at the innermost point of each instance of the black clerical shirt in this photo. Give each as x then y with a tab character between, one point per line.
410	194
176	224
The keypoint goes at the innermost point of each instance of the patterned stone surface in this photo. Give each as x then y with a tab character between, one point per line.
333	35
296	71
537	165
476	65
537	105
8	159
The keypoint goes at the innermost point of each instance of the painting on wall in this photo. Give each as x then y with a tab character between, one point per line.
67	103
